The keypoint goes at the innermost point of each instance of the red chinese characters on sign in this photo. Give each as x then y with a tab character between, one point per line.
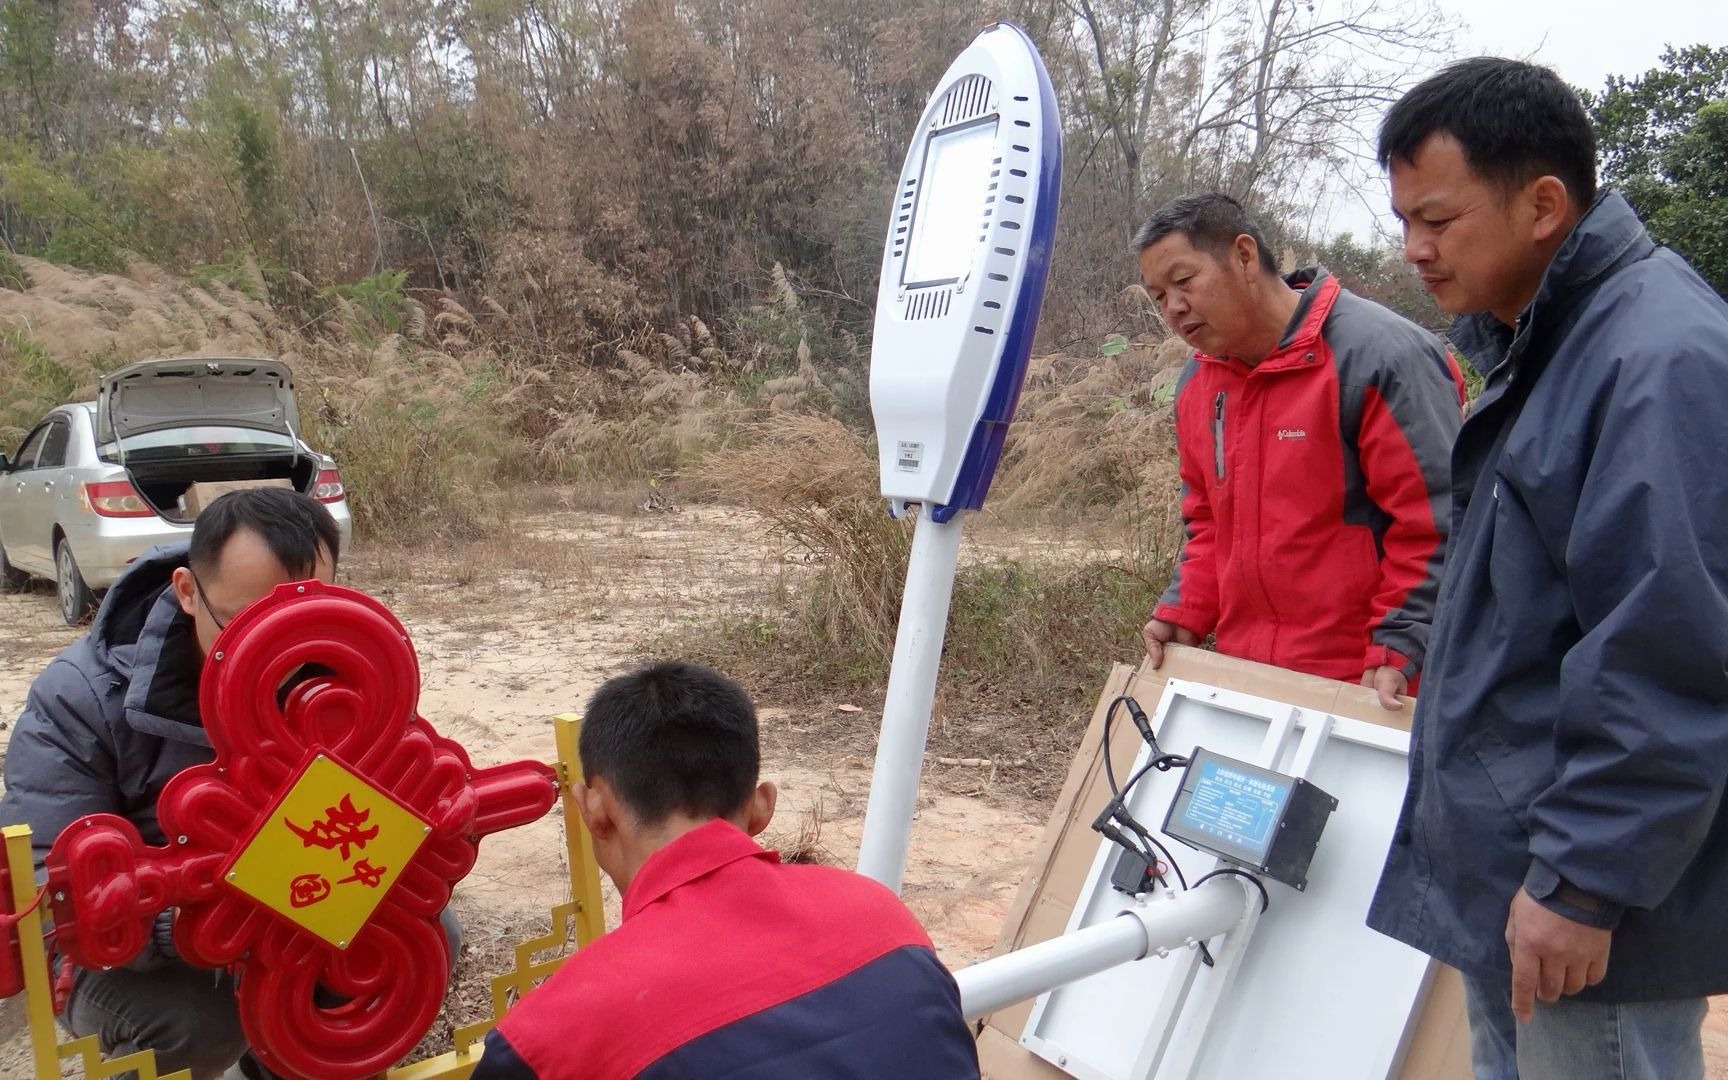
341	829
366	874
308	889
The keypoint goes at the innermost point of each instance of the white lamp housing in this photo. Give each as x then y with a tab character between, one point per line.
963	272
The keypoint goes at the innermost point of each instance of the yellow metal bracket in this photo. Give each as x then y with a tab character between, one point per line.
584	870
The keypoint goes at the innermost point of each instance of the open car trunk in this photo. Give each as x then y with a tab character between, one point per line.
163	482
180	421
154	396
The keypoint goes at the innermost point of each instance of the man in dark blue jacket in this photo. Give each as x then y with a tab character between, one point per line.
115	717
1564	841
727	964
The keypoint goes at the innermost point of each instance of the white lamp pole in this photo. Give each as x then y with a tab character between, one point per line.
911	694
963	272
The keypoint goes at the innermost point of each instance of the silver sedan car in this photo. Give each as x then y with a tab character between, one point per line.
96	484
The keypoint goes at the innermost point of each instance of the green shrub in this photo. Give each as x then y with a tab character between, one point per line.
12	275
31	383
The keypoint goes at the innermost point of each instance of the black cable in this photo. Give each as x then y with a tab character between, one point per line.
1138	715
1160	760
1103	822
1134	778
1110	770
1231	871
1117	804
1116	810
1169	860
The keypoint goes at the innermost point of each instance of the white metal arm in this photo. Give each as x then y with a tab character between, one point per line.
1154	924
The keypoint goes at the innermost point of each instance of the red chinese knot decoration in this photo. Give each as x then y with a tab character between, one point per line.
314	856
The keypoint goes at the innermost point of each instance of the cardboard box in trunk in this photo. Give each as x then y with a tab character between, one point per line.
1439	1047
198	496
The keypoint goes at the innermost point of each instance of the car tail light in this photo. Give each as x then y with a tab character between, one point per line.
116	499
328	486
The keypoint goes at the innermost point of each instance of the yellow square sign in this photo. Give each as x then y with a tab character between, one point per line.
328	851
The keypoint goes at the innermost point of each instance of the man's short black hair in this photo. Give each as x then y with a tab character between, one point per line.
293	525
1211	222
673	737
1516	121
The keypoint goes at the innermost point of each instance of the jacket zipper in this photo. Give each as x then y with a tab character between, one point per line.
1218	433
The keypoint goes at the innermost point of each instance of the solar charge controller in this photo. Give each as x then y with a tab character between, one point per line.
1256	818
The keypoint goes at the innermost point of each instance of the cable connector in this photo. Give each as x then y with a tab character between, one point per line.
1141	723
1132	874
1114	835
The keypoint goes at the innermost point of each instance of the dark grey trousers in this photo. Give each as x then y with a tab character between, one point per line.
188	1015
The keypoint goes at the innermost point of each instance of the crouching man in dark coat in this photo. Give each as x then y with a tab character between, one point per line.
115	717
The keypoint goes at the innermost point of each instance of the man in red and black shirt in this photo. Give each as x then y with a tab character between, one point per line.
727	963
1315	433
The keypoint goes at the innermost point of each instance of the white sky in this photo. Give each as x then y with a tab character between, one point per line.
1584	40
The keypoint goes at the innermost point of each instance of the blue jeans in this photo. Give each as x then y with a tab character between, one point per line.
1583	1040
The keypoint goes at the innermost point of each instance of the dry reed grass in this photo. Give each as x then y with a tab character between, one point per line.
436	411
1028	637
814	482
425	423
1093	434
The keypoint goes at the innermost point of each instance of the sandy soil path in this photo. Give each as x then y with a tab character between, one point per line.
511	632
514	630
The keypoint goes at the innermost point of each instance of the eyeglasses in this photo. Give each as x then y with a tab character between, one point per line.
221	624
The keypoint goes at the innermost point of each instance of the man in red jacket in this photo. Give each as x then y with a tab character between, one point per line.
1315	432
727	963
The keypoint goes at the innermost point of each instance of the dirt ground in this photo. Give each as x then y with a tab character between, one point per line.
514	630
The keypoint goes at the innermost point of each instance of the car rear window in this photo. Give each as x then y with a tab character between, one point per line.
176	444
